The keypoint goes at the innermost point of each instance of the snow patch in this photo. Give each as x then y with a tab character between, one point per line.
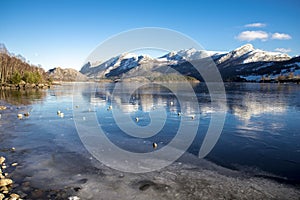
252	77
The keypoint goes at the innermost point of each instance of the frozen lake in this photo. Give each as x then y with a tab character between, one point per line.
256	156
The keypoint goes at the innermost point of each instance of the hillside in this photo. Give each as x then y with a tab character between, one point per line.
242	64
14	69
59	74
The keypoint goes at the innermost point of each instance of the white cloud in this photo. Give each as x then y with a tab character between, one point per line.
281	36
256	25
283	50
252	35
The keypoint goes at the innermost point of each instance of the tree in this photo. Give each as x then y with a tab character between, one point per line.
9	65
37	78
16	78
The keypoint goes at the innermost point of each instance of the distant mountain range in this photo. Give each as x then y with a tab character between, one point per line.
69	74
242	64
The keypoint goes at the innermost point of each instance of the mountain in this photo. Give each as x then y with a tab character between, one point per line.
115	66
192	54
241	64
263	70
247	54
59	74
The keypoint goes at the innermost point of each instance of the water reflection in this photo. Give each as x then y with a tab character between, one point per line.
22	97
250	107
145	99
261	128
256	100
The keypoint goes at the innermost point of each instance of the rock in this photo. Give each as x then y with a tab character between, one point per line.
14	196
22	82
5	192
13	149
20	116
58	112
154	145
21	194
3	189
137	119
179	114
193	117
2	159
5	182
74	198
2	107
14	164
27	85
2	196
26	114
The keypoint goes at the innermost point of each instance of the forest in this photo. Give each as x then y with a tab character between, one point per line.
15	71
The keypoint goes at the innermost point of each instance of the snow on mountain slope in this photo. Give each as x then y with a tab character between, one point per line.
190	54
259	55
247	54
123	62
243	61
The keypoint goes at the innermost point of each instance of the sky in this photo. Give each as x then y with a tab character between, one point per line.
62	33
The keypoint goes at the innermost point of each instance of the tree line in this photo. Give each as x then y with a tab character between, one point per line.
14	71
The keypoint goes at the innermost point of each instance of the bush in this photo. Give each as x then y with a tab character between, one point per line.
32	77
28	77
15	78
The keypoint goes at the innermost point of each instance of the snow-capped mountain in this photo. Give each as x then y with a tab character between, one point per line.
192	54
115	65
247	54
236	64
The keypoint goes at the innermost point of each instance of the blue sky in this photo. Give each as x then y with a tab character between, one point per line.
63	32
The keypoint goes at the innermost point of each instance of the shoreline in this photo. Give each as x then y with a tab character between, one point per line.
44	86
6	86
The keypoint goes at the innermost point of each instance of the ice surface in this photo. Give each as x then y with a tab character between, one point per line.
51	156
196	179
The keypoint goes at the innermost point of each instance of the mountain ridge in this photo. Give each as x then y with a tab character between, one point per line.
233	65
67	74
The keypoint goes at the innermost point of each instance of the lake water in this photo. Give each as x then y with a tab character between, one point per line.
260	137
